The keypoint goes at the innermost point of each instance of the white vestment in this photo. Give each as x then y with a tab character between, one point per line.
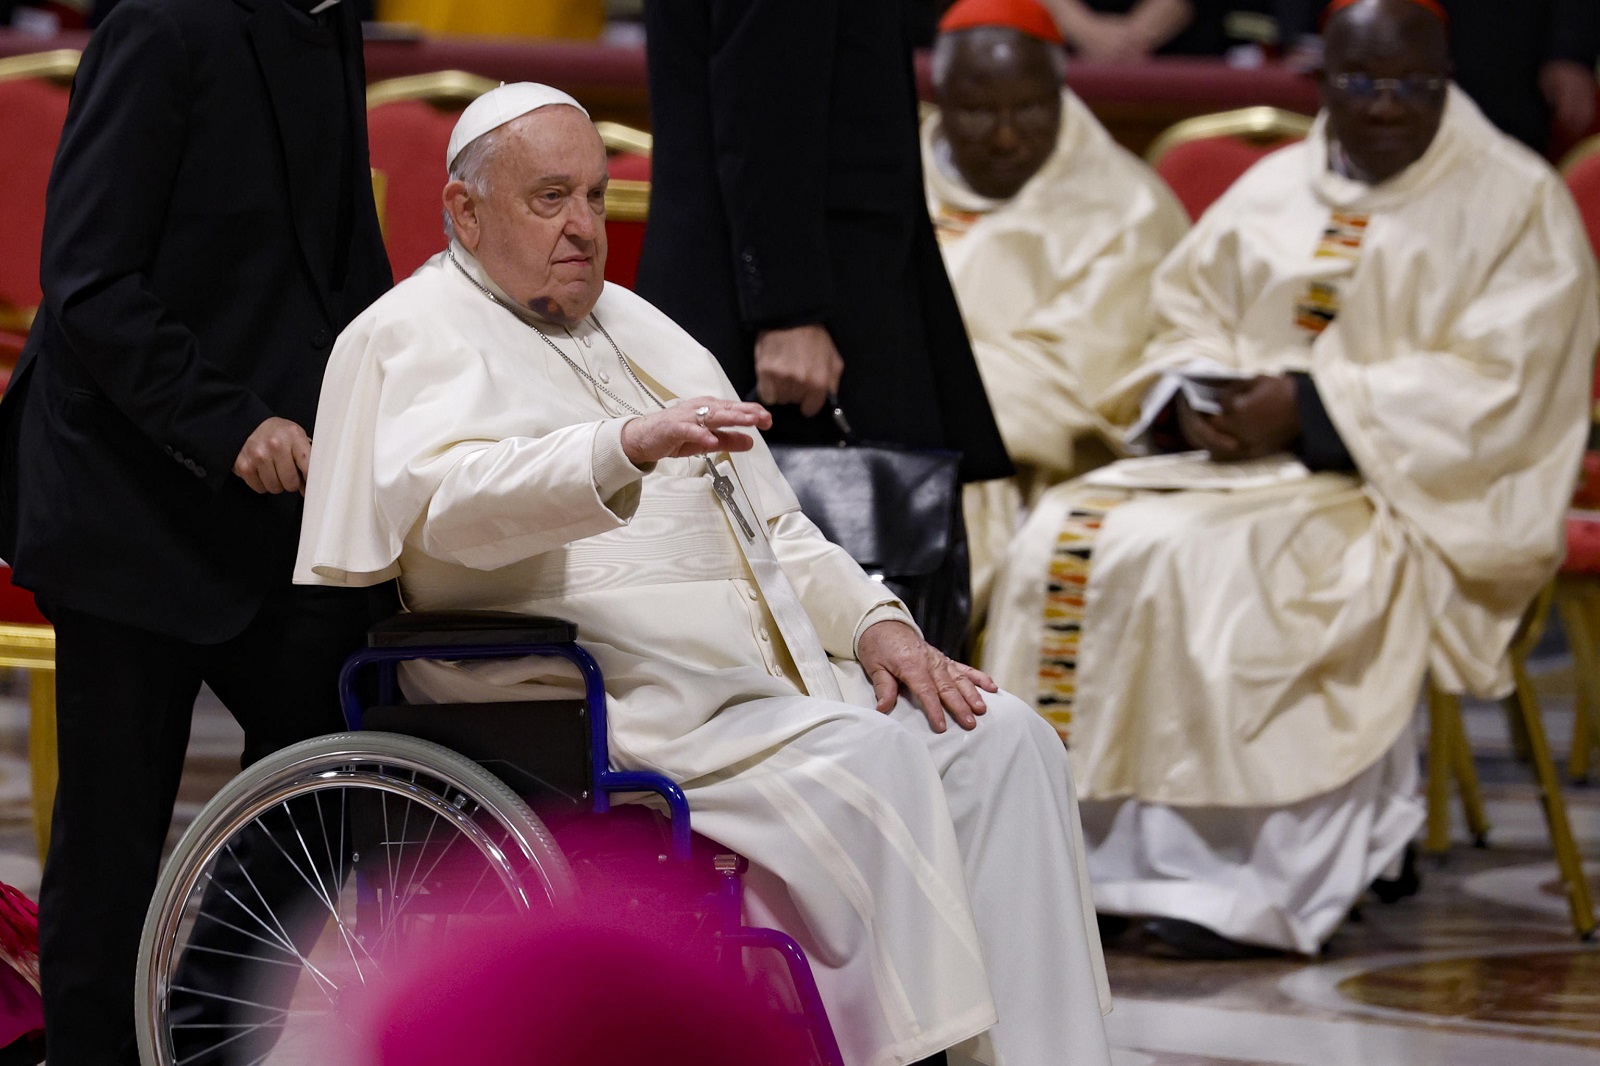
1054	287
1260	649
935	880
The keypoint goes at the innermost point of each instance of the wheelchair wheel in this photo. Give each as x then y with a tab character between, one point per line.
259	939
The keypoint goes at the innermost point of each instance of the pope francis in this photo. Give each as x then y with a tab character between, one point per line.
504	430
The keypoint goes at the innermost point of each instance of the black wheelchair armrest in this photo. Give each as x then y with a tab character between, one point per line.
447	628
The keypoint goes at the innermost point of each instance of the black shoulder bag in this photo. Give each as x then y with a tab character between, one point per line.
897	511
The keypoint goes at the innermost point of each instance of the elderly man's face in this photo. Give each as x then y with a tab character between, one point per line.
539	229
1001	104
1385	84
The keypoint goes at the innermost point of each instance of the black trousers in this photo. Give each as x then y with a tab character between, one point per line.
124	700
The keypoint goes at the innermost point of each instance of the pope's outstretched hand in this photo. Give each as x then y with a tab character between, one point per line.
699	426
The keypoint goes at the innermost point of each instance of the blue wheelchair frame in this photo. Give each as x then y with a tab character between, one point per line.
728	903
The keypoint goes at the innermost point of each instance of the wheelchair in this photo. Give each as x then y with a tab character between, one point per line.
324	863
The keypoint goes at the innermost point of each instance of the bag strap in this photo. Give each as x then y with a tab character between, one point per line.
847	435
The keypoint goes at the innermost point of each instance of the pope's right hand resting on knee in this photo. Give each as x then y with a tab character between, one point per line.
505	430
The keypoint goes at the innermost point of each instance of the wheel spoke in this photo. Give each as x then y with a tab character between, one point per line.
237	920
392	921
320	890
218	1045
286	940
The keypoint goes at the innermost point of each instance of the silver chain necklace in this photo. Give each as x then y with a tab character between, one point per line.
579	370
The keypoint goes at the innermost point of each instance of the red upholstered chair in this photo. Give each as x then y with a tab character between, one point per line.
627	199
1200	157
408	126
1575	594
1578	584
1581	168
33	108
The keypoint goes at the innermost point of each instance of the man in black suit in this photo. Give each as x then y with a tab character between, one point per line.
788	229
209	231
1525	64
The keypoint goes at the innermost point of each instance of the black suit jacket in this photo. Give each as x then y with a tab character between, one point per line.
1498	47
787	189
191	290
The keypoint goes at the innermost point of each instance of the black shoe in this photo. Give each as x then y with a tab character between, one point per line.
1189	940
1408	883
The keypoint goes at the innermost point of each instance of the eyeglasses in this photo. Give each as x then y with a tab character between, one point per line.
982	122
1412	87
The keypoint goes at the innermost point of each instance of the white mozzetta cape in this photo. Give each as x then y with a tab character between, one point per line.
1259	647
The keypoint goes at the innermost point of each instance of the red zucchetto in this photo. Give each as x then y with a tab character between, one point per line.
1023	15
1433	7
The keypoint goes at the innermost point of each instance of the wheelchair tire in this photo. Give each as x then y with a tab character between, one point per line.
210	904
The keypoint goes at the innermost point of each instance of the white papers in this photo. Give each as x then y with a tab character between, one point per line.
1196	470
1200	380
1204	388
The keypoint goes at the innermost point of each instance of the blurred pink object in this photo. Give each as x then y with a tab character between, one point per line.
573	992
21	1010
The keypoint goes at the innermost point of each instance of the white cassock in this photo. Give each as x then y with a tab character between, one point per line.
1251	657
1054	287
934	880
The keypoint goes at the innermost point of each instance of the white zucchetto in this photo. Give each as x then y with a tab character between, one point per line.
497	107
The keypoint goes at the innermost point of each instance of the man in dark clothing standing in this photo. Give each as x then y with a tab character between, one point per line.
1526	64
209	231
788	227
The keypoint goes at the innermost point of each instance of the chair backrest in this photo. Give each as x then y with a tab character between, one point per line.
408	126
33	108
1200	157
627	199
1581	168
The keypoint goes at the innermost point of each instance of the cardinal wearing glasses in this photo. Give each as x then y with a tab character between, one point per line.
1363	414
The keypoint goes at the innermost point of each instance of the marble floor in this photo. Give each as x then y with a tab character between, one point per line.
1480	969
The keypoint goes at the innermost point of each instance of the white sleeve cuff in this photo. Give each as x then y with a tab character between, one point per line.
613	470
888	611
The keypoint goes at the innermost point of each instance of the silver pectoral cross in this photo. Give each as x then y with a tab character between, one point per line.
723	486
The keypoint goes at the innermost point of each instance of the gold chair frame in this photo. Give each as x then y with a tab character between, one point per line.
1578	601
1260	124
619	138
32	647
442	87
58	65
626	201
1450	763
